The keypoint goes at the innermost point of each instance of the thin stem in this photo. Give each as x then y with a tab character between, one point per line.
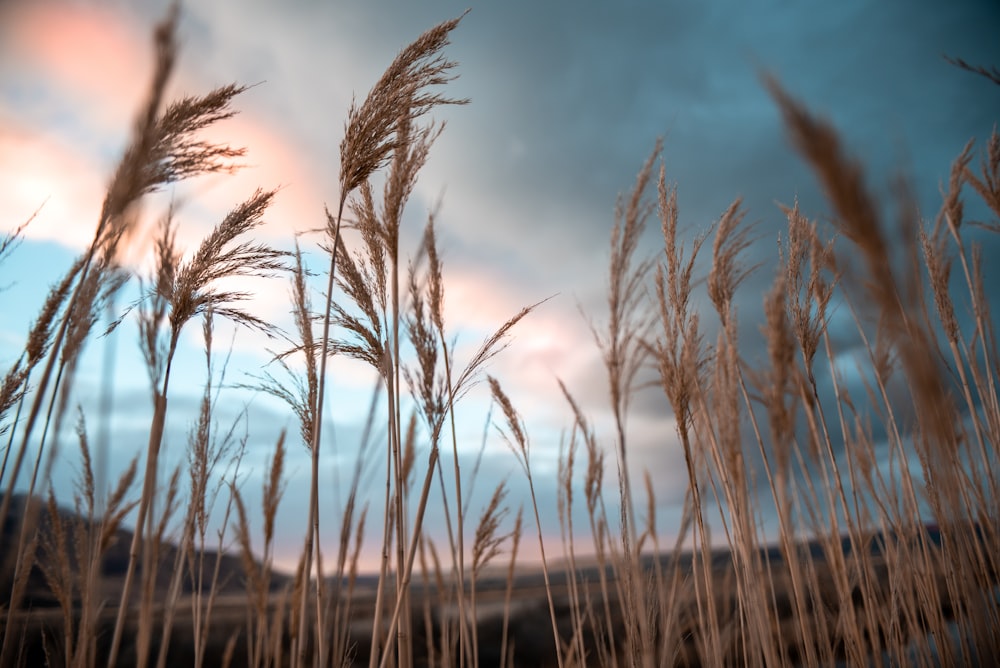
312	534
148	490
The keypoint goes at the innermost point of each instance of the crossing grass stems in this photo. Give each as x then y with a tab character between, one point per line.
788	435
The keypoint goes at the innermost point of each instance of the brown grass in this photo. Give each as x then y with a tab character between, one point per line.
853	573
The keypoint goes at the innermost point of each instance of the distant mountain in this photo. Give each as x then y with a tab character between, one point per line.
114	562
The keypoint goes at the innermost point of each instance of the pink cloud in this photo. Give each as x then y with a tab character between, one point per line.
38	171
94	65
84	68
272	161
95	52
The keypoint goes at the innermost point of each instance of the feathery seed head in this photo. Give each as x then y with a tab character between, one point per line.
397	99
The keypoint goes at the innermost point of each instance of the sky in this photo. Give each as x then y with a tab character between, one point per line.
566	102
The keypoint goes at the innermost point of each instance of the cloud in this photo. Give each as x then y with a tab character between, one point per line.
72	52
55	180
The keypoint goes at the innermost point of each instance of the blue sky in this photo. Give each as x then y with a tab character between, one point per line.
567	99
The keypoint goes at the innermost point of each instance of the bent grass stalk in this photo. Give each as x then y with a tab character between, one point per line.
374	133
830	477
519	446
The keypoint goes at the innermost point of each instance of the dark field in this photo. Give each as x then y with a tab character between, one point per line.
520	604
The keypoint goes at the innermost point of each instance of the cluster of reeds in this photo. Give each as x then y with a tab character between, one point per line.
775	456
390	317
856	529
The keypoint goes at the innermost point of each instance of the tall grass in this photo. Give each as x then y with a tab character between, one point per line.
820	525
